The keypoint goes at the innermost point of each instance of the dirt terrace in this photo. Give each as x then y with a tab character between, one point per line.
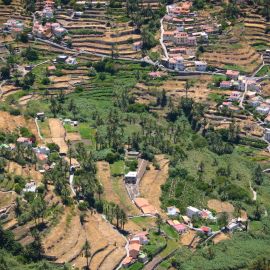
65	241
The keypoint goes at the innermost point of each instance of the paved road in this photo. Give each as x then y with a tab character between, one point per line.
161	39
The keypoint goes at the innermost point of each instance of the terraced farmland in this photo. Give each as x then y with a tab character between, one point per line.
256	31
97	31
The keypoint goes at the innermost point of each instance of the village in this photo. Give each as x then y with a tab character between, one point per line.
89	127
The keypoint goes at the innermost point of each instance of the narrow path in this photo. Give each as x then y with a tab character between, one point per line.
39	134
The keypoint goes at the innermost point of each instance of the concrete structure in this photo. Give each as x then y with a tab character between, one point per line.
192	211
267	134
200	65
226	84
134	250
172	211
71	61
263	109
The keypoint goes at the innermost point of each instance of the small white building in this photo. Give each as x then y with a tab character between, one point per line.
192	211
172	211
200	65
267	134
131	177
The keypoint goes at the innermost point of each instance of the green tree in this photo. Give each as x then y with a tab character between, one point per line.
258	175
159	223
5	72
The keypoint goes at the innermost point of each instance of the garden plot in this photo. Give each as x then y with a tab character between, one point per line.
152	180
11	123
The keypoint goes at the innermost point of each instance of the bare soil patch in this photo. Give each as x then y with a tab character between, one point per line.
107	245
189	238
220	237
220	206
58	134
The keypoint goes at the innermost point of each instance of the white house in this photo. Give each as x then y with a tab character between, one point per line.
192	211
263	109
172	211
200	65
30	187
71	61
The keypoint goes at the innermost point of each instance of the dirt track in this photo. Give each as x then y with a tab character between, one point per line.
58	134
152	180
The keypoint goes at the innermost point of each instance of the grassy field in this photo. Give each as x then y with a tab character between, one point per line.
118	167
265	70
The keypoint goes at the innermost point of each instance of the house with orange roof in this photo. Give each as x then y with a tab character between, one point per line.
127	261
134	250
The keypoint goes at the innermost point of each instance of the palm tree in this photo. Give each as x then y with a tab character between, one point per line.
123	219
100	190
87	253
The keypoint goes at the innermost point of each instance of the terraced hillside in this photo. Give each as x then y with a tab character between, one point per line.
257	30
96	31
239	56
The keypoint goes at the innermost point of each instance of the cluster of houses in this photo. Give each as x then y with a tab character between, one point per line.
135	244
240	84
204	214
184	30
14	27
49	29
